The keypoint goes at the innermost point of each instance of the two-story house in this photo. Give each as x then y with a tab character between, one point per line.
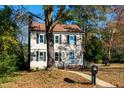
67	45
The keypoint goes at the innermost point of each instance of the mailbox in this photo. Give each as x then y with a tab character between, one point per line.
94	71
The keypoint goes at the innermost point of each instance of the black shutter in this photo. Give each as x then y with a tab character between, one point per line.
67	39
44	38
75	40
60	57
37	39
53	37
44	56
60	40
36	55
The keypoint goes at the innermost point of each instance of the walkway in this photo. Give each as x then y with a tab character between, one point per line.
98	81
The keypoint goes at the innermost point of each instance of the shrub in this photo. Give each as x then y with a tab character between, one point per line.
7	64
118	54
94	50
99	61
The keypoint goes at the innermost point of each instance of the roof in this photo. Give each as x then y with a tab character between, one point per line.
57	28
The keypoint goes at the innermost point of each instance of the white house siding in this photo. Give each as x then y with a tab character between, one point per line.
64	54
41	47
38	64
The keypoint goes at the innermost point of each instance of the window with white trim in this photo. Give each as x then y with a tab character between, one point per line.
41	38
56	39
33	56
42	56
71	57
71	39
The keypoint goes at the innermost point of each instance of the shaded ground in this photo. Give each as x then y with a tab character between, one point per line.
47	79
113	74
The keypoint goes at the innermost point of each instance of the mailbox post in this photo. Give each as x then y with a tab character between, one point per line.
94	70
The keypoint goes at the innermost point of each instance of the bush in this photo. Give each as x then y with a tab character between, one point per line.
118	54
94	50
99	61
7	64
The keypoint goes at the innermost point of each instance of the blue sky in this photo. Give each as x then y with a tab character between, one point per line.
37	9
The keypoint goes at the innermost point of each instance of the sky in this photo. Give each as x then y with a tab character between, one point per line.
35	8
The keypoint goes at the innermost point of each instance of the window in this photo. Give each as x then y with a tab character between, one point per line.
42	56
41	38
71	57
71	39
33	56
56	56
56	39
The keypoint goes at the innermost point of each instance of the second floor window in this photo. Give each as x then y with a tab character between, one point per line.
72	39
56	39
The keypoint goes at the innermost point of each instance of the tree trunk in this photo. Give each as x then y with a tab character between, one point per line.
50	50
110	47
50	24
30	19
22	59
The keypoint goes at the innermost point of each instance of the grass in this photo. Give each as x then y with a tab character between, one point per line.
47	79
6	78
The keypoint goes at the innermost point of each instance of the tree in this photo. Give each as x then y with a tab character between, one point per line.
21	16
108	34
94	51
30	20
50	24
7	30
89	18
119	10
11	35
111	38
8	41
